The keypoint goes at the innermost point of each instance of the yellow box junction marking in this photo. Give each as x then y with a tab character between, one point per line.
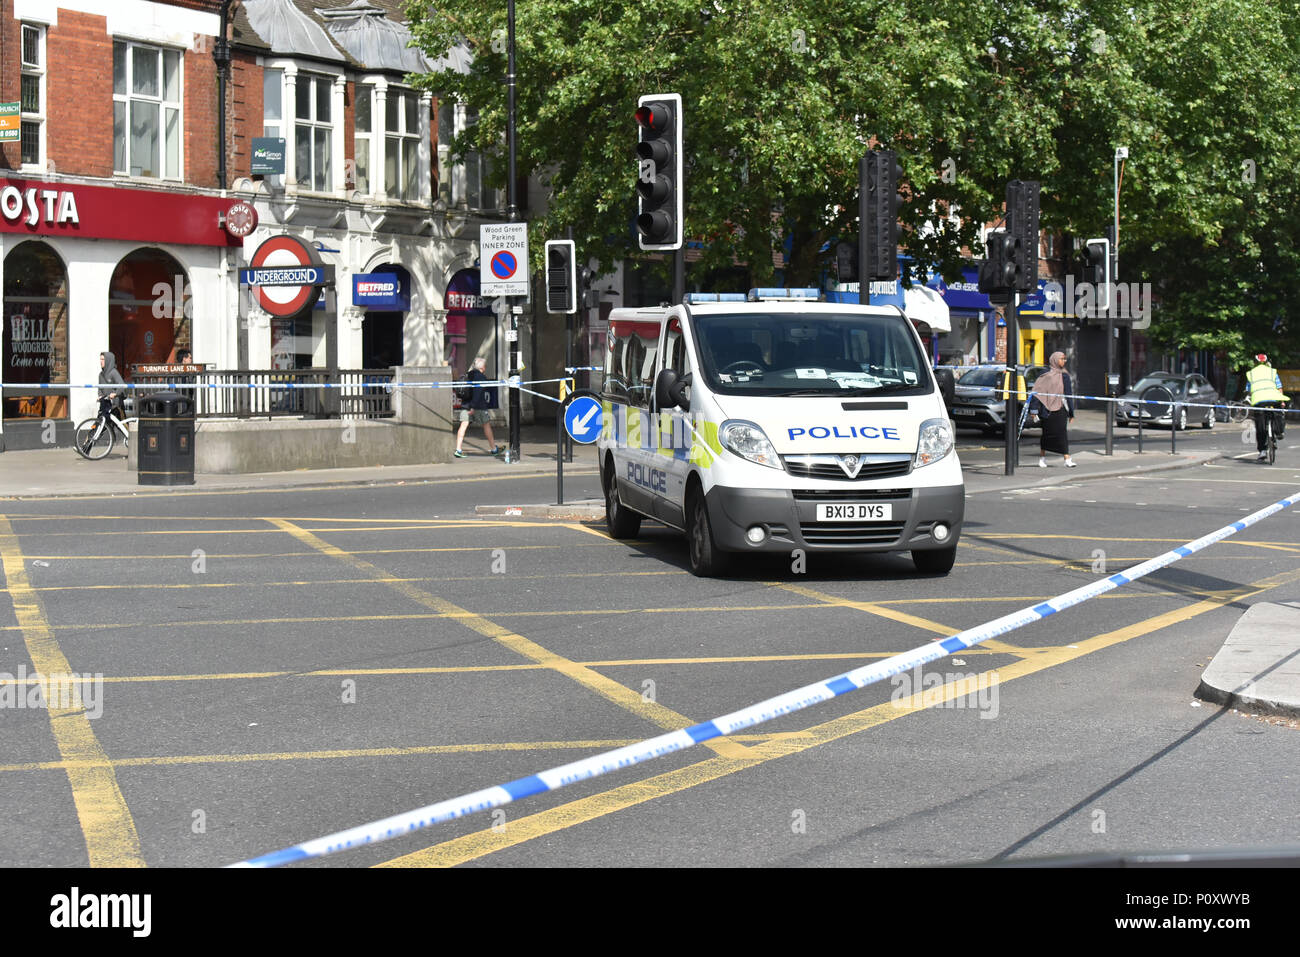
607	688
481	843
106	822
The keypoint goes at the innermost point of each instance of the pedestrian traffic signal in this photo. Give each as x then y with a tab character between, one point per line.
659	183
1022	225
561	276
878	177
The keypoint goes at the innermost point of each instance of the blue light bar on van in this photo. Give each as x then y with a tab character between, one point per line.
694	297
777	293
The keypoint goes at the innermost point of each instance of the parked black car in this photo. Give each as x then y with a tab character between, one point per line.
978	406
1168	396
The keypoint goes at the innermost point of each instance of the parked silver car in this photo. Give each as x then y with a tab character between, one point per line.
978	406
1168	398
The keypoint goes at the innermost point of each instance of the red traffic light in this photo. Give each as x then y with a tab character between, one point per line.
653	118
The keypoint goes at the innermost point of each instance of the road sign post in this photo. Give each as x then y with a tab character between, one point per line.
503	271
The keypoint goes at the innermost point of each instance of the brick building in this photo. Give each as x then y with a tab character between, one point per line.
125	221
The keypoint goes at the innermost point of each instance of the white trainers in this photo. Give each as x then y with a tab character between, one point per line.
1071	464
1261	457
1042	463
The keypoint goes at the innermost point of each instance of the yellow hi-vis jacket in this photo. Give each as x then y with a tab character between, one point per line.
1263	385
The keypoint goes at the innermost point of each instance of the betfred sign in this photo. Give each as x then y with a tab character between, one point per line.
42	208
378	290
287	274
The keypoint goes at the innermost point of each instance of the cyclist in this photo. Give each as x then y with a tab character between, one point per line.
1264	392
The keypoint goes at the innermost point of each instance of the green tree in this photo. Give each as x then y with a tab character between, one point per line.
782	100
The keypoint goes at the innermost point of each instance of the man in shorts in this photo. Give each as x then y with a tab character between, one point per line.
476	411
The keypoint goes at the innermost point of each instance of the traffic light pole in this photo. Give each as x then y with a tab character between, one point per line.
1012	424
512	211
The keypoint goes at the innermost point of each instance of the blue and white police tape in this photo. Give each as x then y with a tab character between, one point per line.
787	703
998	393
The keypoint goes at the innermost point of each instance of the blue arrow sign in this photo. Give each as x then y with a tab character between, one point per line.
582	419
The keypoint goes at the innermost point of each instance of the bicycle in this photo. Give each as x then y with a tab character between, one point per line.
1238	412
96	437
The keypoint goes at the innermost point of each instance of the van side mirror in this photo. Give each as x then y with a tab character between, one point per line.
947	386
670	391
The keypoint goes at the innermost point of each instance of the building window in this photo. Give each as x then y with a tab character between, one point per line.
365	126
146	111
313	131
402	144
468	178
32	95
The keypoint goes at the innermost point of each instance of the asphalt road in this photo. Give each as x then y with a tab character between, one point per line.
277	666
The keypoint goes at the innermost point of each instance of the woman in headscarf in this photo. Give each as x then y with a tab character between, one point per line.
1054	394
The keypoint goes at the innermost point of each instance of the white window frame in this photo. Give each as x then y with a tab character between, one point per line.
460	172
364	140
39	70
406	138
164	105
377	141
291	70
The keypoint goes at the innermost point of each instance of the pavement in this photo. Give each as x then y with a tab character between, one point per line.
1258	668
58	473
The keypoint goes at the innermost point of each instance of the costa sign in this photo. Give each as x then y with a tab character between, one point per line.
287	275
44	208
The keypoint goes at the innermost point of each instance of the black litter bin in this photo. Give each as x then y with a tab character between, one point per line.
166	439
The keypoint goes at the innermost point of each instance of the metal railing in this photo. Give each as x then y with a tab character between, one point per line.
268	393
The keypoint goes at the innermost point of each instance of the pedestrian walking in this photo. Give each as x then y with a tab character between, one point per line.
1054	396
476	410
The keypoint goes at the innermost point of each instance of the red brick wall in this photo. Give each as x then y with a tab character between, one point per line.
79	89
10	71
200	109
245	113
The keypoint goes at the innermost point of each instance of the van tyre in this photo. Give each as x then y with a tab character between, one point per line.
706	560
620	522
935	561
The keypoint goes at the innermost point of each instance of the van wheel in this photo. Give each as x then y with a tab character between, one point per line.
705	558
619	521
935	561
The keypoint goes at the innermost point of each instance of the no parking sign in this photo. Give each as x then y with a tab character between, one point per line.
503	258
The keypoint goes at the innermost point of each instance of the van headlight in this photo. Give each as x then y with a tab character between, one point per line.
935	442
749	442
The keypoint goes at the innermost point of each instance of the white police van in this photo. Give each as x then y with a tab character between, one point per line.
773	422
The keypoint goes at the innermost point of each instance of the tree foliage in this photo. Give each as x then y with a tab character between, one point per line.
781	101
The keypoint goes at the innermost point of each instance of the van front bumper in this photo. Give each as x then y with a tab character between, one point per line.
789	519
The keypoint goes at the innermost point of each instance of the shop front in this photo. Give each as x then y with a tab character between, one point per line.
86	269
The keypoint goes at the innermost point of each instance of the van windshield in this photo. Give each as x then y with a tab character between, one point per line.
755	353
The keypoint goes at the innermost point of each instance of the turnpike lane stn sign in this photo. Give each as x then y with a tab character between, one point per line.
503	257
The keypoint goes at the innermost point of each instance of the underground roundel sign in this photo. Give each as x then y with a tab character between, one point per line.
286	254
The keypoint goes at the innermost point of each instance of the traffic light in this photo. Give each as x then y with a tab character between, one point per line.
1022	225
590	298
998	271
561	276
1097	272
659	183
846	263
878	201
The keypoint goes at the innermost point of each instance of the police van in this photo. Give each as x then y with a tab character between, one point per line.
771	422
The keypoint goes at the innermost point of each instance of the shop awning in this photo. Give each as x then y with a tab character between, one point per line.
924	304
